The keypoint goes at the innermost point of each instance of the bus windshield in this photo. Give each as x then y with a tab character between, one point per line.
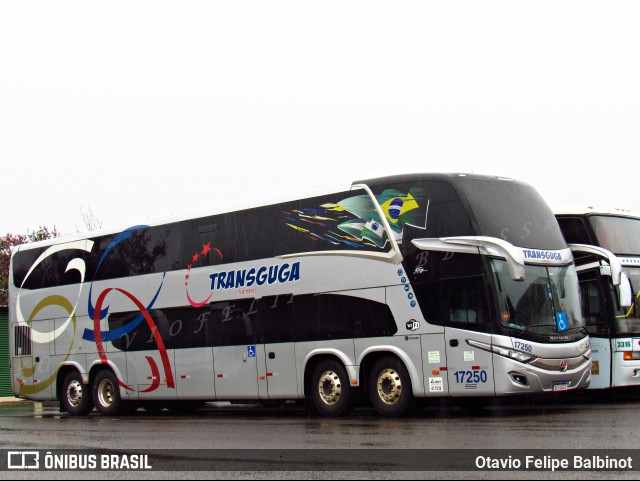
620	235
547	303
628	318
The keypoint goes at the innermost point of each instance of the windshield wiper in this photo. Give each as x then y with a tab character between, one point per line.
526	329
583	329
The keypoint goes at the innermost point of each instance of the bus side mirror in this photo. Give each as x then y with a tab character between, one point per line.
625	295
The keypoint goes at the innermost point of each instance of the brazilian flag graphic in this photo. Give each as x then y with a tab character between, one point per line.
399	208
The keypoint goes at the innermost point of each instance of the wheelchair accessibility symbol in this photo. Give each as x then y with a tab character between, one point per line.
562	321
251	351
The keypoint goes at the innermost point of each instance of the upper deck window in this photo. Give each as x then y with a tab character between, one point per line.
512	211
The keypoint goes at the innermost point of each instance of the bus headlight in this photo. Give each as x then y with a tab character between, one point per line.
517	355
503	351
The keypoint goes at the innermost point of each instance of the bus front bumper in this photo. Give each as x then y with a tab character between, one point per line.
543	375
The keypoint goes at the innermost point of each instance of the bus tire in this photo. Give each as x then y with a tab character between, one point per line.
106	394
390	387
76	397
331	393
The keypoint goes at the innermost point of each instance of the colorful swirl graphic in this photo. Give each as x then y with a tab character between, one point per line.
97	313
100	311
206	249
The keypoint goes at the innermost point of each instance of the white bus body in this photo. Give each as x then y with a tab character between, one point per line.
407	287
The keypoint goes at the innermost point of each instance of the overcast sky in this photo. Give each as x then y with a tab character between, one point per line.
144	110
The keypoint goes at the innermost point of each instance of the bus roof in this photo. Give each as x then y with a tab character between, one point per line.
373	182
597	210
418	177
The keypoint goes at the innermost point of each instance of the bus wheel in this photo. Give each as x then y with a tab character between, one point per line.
76	396
106	394
330	392
390	387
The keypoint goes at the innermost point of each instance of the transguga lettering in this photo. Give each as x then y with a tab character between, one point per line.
543	255
256	276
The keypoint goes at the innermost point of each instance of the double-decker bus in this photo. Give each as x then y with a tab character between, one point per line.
403	288
606	245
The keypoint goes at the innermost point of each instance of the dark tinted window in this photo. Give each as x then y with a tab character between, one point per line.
594	303
434	210
177	328
618	234
342	221
278	315
22	263
452	291
359	318
49	272
113	258
236	322
446	216
574	230
274	319
142	337
512	211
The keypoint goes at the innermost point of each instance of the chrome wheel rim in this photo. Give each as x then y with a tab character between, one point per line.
330	388
106	393
75	393
389	386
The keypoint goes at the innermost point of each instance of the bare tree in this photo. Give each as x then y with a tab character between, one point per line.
91	222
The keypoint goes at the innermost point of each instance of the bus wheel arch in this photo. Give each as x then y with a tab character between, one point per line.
327	386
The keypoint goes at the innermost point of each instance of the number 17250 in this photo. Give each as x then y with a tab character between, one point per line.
471	377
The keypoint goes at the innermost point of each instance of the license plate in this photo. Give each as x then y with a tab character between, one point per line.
561	386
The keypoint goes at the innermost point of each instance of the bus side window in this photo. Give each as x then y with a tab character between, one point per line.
277	315
236	323
452	291
312	317
574	230
429	295
463	300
